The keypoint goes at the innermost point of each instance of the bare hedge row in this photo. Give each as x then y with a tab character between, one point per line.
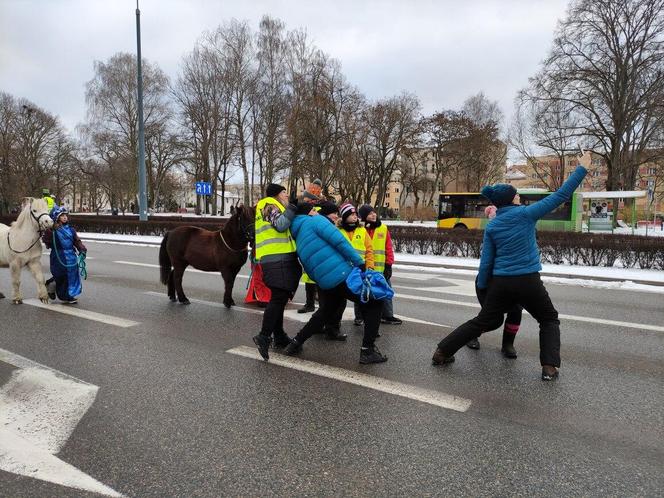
556	247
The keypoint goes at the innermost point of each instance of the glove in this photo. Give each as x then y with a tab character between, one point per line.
303	208
363	267
388	272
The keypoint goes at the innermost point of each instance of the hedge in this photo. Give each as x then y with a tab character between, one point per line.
590	249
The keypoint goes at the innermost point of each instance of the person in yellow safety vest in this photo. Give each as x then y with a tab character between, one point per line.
309	285
50	201
381	241
275	250
360	240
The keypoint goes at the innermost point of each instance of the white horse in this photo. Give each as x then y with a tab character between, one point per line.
20	245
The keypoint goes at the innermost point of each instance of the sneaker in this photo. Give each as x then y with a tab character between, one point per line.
70	301
358	322
263	344
293	348
306	309
473	344
440	358
371	355
335	335
509	351
391	320
549	373
281	342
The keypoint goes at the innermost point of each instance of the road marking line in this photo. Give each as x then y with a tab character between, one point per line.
292	314
360	379
67	309
41	407
588	319
193	270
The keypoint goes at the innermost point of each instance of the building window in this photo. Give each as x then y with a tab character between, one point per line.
396	190
652	171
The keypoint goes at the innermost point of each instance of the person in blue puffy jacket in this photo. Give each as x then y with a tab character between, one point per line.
328	258
509	271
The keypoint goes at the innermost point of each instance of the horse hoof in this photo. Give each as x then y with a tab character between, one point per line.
44	300
185	301
228	305
2	296
173	300
17	301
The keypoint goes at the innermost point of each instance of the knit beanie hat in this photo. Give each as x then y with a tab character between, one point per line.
328	207
490	211
346	210
306	195
273	189
364	211
500	194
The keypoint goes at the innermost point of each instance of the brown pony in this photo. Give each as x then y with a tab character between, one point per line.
224	250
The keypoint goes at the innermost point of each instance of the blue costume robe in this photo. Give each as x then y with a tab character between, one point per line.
64	263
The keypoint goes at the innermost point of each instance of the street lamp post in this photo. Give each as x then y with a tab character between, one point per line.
142	190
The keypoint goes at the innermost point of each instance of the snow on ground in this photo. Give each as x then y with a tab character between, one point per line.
460	266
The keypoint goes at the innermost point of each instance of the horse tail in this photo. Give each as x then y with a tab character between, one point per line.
164	261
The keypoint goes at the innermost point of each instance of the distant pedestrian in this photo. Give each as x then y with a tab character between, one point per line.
65	246
509	270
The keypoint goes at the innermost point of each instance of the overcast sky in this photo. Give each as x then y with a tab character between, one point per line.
441	50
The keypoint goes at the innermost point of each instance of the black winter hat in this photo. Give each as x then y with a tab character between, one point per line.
273	189
328	207
364	211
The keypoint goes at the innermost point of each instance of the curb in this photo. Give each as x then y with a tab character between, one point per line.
440	265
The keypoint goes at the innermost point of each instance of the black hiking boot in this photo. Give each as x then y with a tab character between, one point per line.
549	373
391	320
509	351
371	355
307	309
358	322
293	348
335	335
473	343
440	358
263	344
281	341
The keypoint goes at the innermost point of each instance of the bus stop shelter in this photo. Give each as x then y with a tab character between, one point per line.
602	207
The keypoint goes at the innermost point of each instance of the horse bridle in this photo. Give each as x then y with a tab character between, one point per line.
246	231
39	229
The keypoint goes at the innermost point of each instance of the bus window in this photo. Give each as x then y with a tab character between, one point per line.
451	206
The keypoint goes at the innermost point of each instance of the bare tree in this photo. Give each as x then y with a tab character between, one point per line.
607	67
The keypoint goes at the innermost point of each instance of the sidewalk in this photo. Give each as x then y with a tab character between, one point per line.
412	261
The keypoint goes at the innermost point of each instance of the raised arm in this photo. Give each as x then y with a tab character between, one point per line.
549	203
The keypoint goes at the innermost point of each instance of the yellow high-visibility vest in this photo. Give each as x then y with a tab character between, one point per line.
49	202
378	243
359	236
268	240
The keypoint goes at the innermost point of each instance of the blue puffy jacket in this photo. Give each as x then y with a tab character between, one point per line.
509	246
325	253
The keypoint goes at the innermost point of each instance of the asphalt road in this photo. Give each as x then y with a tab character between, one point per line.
176	415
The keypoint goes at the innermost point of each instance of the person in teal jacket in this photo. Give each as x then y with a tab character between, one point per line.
328	258
509	271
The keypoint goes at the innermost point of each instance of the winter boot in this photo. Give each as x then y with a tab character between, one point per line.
440	358
473	343
281	341
50	288
391	320
293	348
263	344
509	333
371	355
335	334
549	372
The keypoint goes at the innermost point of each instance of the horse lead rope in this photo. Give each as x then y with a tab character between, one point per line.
221	234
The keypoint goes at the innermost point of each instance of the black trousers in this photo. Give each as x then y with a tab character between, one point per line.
273	317
330	301
503	294
513	316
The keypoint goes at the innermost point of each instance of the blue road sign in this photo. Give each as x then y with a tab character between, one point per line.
203	188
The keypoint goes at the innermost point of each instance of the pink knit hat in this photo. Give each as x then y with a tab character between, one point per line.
490	211
345	210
